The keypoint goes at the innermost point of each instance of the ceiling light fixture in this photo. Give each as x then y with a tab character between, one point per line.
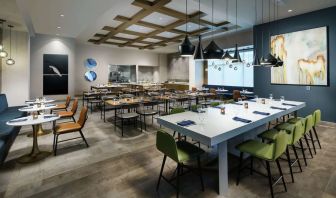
279	62
58	27
290	10
186	48
263	61
3	53
199	54
213	51
227	57
61	15
236	56
256	61
10	61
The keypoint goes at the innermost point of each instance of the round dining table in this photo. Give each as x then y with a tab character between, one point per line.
38	108
36	154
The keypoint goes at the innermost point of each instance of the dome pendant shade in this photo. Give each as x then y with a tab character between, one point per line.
10	61
3	54
227	56
264	62
212	51
271	59
199	54
186	48
236	56
279	62
256	61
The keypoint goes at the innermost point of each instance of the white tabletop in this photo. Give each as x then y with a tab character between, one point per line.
218	127
38	101
222	90
246	92
35	108
30	121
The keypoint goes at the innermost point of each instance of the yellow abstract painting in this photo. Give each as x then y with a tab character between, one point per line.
304	54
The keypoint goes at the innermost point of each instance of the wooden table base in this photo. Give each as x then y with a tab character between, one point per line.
35	154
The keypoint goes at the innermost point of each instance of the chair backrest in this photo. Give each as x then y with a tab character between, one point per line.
3	102
177	110
74	106
166	144
280	144
317	116
298	131
309	123
214	104
193	89
236	94
82	117
67	101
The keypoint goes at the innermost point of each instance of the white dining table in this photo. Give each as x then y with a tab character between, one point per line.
36	108
216	129
39	101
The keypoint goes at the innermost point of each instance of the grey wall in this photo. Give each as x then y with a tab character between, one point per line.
317	97
177	67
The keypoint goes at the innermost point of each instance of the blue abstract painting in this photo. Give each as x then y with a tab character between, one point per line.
90	63
90	76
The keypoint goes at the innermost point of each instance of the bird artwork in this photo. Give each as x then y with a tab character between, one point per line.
56	71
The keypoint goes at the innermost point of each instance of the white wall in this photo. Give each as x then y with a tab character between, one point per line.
45	44
117	56
15	78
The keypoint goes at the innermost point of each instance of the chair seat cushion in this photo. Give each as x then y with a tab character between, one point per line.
59	106
295	120
269	134
289	127
187	151
65	114
67	127
148	112
127	115
257	149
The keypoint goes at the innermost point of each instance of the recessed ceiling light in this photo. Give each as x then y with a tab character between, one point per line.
57	34
58	27
290	10
160	18
61	15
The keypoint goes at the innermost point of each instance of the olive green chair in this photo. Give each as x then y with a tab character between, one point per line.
214	104
194	107
317	118
267	152
177	110
309	123
295	132
180	152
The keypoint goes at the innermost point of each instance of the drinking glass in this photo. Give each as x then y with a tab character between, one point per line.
271	96
240	100
282	98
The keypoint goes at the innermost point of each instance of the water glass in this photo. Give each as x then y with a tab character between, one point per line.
282	98
240	100
271	96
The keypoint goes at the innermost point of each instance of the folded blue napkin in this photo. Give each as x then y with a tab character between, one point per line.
287	104
252	100
186	123
241	120
278	108
50	116
261	113
236	103
50	105
18	120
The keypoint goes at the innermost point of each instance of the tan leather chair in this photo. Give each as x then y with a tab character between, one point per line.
70	114
63	106
193	89
70	127
236	94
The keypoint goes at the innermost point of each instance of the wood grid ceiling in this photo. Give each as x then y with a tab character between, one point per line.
140	40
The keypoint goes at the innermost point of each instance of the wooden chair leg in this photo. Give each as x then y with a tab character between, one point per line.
281	175
81	133
303	152
297	158
269	178
317	138
289	164
162	167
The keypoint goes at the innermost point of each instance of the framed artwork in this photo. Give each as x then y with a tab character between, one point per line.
55	74
305	57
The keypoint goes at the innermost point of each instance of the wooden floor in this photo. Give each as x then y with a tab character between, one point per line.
129	167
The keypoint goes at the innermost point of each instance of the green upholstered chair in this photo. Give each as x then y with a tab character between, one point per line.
180	152
214	104
194	107
317	118
295	132
268	152
177	110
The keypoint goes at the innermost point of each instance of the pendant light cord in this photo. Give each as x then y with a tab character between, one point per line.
10	42
255	21
212	19
199	16
186	17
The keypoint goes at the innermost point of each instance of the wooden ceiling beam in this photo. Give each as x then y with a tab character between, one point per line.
116	44
135	18
127	40
139	34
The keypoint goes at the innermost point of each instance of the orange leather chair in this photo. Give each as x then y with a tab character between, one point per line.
70	127
70	114
236	94
63	106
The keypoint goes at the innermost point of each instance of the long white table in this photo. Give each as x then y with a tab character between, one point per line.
217	129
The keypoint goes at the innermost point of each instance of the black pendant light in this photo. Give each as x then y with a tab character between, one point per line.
256	61
186	48
271	60
3	53
199	54
263	61
227	56
10	61
236	57
213	51
279	61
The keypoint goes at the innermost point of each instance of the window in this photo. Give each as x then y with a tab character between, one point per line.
225	73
